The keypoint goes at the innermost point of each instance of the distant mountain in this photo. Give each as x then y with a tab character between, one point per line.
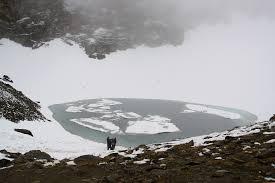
100	27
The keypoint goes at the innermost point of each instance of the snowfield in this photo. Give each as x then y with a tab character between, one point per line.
209	110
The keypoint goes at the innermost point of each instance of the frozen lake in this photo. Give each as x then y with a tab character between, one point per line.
145	121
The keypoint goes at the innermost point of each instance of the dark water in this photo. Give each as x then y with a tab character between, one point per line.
190	124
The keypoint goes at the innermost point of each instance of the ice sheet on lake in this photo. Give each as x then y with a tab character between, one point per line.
96	124
151	125
209	110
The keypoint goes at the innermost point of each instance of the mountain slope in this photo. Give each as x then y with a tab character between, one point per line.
99	28
15	106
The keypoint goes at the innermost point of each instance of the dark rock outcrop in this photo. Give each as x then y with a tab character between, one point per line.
15	106
272	118
4	163
24	131
246	159
37	154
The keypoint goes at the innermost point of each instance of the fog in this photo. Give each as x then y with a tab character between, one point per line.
227	59
186	13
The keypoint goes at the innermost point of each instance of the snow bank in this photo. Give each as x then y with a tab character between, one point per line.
209	110
49	137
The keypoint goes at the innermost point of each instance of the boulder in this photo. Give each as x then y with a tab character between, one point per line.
4	163
272	118
86	159
37	154
24	131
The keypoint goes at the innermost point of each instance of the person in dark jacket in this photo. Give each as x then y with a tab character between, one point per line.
111	143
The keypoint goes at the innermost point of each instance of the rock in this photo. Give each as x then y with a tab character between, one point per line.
272	118
100	56
237	160
163	166
220	173
192	163
35	165
230	138
267	153
112	178
37	154
86	158
24	131
15	106
4	163
7	79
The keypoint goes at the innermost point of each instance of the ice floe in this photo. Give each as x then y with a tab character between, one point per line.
96	124
209	110
151	125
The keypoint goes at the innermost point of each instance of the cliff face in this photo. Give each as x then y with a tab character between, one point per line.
101	28
31	23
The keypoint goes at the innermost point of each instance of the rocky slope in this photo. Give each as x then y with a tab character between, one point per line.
100	27
15	106
246	158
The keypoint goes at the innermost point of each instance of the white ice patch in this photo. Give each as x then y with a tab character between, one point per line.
96	124
141	162
3	156
75	109
151	125
209	110
270	141
71	163
6	167
128	115
188	111
269	133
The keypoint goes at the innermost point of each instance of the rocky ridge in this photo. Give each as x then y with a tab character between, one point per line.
244	154
15	106
101	28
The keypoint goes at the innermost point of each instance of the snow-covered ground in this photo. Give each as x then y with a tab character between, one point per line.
209	110
48	137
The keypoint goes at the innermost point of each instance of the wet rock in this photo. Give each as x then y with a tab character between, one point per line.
24	131
4	163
